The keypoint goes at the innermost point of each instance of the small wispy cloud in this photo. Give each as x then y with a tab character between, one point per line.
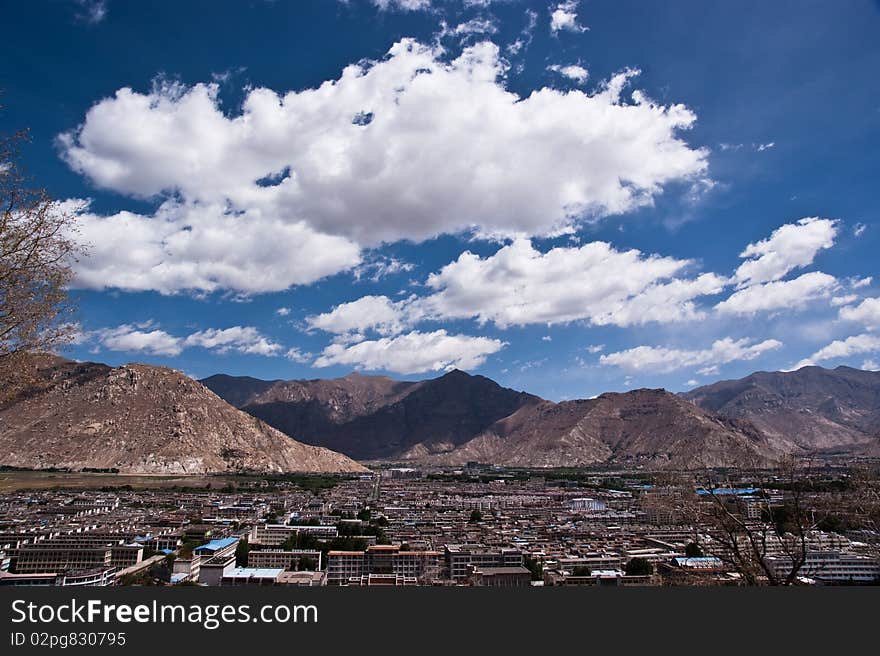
91	11
574	72
564	17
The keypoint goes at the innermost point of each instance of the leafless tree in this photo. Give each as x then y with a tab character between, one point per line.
754	543
37	252
859	505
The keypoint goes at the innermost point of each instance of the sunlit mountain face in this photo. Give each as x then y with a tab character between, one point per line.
566	197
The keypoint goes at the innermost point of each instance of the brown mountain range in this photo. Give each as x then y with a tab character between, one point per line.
141	419
811	410
459	418
375	417
643	427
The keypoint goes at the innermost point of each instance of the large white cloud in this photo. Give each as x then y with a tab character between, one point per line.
791	246
781	294
413	352
663	360
867	312
411	146
205	248
842	348
520	285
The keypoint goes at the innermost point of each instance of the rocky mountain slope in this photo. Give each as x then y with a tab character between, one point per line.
642	427
459	418
809	410
375	417
141	419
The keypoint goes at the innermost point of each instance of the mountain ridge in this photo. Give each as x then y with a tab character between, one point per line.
810	410
372	417
142	419
432	422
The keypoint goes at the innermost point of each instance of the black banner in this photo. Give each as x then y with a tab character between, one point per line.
229	619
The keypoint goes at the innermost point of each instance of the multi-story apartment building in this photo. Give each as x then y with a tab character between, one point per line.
585	504
212	570
424	566
832	567
501	577
251	576
344	565
48	557
285	559
592	561
274	535
96	577
217	548
461	556
387	560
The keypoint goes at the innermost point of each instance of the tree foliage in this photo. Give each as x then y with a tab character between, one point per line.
639	567
534	566
693	550
241	553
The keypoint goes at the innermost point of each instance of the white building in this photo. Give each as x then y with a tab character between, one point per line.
586	504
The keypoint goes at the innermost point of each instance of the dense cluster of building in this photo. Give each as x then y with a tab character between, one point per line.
398	527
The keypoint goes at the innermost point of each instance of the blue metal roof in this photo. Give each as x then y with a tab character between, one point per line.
729	490
216	545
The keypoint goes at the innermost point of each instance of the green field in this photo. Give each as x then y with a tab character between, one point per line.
12	481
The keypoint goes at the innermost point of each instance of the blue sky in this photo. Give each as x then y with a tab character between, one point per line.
567	197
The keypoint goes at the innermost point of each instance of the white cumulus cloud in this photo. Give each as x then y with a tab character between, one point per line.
867	312
297	355
564	17
413	352
843	348
130	338
662	360
520	285
368	313
205	248
243	339
148	338
413	145
778	295
573	72
791	246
